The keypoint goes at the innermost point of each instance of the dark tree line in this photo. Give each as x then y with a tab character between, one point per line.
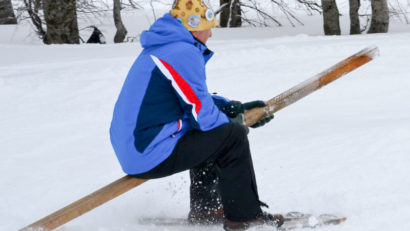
55	21
379	17
231	14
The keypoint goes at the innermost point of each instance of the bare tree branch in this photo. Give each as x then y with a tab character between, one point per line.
285	9
35	18
261	12
311	5
153	10
397	10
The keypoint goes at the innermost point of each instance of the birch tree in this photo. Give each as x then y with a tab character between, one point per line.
230	13
380	17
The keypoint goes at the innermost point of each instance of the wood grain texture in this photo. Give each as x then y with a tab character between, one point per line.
85	204
310	85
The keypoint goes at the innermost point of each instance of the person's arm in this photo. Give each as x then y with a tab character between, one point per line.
187	75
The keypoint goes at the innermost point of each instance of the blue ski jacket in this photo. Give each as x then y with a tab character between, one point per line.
164	96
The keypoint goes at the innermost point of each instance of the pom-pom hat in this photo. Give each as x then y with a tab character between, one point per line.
195	15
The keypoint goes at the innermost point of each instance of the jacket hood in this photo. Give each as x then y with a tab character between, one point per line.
165	30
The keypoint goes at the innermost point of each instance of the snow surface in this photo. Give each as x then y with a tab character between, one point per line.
343	150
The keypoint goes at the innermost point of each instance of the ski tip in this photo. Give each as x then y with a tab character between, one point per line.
335	221
371	51
342	219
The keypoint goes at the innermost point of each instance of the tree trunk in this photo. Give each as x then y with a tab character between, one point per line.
121	30
230	14
380	17
61	20
354	16
330	17
37	6
6	13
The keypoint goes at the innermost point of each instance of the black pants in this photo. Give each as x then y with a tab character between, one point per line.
219	156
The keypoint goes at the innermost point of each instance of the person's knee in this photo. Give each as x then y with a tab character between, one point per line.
239	133
236	146
240	143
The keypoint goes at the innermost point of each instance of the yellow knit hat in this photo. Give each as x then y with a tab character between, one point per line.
195	15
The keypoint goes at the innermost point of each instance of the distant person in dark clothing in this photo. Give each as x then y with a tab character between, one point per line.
97	36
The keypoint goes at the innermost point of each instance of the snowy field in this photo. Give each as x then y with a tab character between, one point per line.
344	149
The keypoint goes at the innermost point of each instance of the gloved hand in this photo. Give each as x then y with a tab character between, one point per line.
262	122
236	107
253	104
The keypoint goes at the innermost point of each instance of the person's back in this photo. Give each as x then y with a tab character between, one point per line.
154	109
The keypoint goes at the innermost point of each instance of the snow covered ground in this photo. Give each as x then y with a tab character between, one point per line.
343	150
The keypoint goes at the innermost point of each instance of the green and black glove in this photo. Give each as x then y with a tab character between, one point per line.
234	108
262	122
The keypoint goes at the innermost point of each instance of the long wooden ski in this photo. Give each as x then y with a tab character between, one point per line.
275	104
292	220
312	84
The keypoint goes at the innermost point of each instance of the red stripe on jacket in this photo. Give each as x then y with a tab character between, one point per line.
185	87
